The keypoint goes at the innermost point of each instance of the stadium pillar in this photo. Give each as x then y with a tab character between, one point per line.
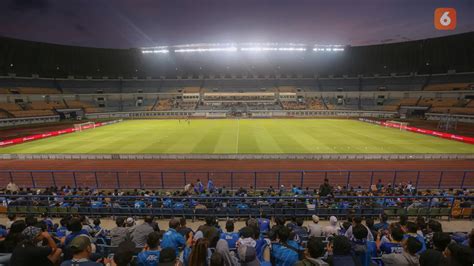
348	179
279	179
394	178
302	179
184	177
462	182
96	180
231	180
140	179
11	176
440	179
32	180
162	181
254	181
74	178
417	179
53	178
118	179
371	179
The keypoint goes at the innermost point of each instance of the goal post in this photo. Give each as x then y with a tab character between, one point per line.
397	124
82	126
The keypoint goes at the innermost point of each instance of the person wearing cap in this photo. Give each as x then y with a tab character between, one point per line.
151	253
173	239
28	252
315	228
332	228
81	248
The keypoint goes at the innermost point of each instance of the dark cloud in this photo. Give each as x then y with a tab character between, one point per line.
133	23
80	28
27	5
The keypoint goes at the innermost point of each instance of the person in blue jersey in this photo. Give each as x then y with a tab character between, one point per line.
75	226
301	233
283	254
230	236
139	204
99	232
411	231
151	253
198	187
172	238
61	231
391	243
210	186
383	223
264	224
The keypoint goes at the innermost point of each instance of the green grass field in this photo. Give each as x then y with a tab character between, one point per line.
269	136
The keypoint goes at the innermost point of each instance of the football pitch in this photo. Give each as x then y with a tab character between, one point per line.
244	136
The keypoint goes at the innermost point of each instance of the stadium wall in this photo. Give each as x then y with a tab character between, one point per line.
361	157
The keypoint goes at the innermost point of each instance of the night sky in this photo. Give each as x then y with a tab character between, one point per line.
140	23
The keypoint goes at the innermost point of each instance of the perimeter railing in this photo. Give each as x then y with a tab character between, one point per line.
238	206
232	180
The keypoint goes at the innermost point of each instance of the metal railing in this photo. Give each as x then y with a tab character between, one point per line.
103	179
238	206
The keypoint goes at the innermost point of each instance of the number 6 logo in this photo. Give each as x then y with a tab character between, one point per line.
445	18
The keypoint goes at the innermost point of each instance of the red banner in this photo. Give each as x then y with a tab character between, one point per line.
424	131
49	134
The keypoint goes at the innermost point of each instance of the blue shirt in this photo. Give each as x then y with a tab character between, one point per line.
264	225
284	256
96	204
210	186
173	239
61	231
419	238
139	204
148	258
3	232
383	226
71	236
388	247
231	238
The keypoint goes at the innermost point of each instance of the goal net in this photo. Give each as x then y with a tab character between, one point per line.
82	126
397	124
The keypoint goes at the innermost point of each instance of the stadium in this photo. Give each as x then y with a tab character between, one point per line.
285	147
